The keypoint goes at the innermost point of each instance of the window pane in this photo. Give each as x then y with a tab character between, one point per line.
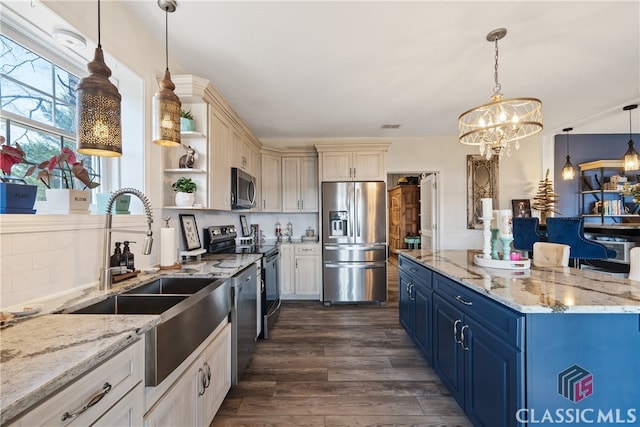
23	65
65	117
25	102
65	86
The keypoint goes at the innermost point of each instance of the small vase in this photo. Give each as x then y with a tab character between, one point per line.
187	125
17	198
185	199
120	204
66	201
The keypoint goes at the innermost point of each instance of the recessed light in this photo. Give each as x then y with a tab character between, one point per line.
69	39
389	126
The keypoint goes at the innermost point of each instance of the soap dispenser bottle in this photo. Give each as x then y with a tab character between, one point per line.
117	255
127	256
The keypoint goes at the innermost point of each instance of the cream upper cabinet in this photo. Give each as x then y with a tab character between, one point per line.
244	155
219	164
271	183
353	163
299	184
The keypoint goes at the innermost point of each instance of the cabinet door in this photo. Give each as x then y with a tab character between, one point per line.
369	166
336	166
215	367
308	275
287	276
447	352
178	406
290	184
308	184
239	151
219	164
405	302
271	183
492	368
422	319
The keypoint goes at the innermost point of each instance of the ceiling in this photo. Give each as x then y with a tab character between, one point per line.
324	69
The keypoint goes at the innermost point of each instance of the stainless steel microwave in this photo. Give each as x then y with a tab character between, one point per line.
243	190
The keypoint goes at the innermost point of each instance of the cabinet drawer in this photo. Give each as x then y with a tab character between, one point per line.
419	273
307	249
119	374
505	323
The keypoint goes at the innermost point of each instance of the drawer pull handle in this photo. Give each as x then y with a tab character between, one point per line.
203	381
208	373
413	270
462	300
93	400
455	331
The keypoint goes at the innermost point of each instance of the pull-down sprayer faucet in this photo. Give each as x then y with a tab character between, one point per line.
105	273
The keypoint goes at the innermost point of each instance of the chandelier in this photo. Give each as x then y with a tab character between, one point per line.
568	171
631	158
497	124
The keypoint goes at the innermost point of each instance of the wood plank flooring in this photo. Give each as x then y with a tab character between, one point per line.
345	365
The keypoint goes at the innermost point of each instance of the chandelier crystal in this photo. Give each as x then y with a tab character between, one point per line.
496	125
166	104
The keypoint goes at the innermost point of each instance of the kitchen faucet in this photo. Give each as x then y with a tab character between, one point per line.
105	273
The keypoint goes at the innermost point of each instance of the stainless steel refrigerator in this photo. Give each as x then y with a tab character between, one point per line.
354	242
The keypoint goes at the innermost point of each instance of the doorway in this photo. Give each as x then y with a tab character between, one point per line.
413	210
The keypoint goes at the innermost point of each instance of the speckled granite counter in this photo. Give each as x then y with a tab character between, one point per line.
41	354
538	290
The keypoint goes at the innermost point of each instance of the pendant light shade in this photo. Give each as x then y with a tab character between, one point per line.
631	159
497	124
166	104
98	109
568	171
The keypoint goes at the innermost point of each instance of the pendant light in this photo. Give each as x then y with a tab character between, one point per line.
98	109
568	171
494	126
631	159
166	104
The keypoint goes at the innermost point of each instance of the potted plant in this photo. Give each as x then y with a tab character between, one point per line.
64	168
187	123
185	189
16	196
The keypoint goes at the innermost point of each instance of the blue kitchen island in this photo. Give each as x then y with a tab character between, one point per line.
544	346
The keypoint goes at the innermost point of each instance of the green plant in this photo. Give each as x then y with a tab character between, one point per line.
186	114
184	185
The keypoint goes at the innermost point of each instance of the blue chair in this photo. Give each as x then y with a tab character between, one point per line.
526	232
570	231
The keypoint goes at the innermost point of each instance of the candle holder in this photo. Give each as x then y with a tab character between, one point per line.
494	244
486	233
506	247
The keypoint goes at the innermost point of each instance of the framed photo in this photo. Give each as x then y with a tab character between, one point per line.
190	232
521	208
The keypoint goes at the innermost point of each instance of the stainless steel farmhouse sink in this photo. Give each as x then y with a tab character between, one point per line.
172	285
189	309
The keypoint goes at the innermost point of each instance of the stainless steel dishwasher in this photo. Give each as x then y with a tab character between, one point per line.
243	320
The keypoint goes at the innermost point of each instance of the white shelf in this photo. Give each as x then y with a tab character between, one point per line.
185	170
190	134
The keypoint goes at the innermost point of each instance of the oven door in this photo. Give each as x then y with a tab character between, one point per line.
271	295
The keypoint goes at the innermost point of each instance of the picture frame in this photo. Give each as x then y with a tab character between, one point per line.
244	226
521	208
190	233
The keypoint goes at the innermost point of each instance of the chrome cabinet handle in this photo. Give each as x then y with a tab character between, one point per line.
93	400
464	346
207	374
412	295
301	205
455	331
203	382
462	300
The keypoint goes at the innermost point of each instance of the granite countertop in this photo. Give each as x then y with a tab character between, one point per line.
536	290
42	353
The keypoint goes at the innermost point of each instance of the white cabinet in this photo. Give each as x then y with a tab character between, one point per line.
219	164
299	184
244	154
351	163
195	397
110	394
301	271
271	183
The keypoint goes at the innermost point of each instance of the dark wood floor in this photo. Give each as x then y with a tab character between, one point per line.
345	365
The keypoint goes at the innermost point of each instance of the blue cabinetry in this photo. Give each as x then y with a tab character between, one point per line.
415	294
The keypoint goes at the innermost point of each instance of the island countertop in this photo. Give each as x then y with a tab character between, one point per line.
43	353
535	290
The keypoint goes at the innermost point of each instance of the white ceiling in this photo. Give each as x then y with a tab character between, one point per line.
318	69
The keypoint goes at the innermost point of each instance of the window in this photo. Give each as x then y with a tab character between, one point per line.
37	100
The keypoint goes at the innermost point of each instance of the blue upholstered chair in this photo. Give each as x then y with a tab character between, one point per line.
525	233
570	231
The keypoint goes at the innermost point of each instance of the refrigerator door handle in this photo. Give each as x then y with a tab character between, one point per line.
358	206
350	211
